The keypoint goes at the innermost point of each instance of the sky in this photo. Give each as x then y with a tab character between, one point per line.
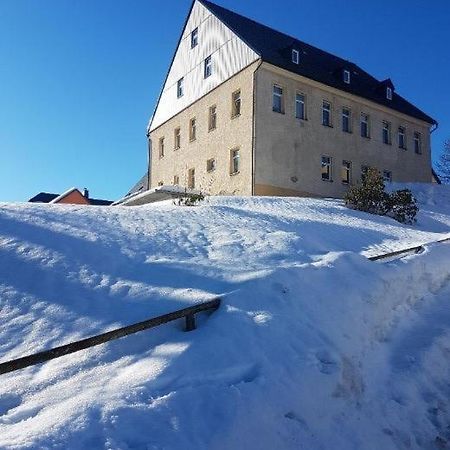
79	79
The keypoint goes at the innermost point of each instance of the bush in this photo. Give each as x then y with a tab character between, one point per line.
190	199
403	206
370	196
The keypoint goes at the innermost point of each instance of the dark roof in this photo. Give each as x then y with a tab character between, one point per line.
140	186
46	197
43	197
275	48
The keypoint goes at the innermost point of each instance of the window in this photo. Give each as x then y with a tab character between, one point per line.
180	87
212	118
389	93
417	143
300	110
161	147
365	131
193	129
210	165
234	161
402	137
236	103
387	176
346	76
364	170
176	180
207	70
194	38
346	120
326	114
295	56
191	178
386	132
326	168
346	172
177	138
277	99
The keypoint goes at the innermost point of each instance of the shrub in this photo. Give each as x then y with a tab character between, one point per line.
190	199
370	196
403	206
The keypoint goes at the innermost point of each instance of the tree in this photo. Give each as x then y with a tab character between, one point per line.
443	164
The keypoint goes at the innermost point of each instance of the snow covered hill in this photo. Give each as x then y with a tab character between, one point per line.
314	346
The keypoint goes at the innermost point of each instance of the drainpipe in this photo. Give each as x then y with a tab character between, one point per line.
149	156
254	128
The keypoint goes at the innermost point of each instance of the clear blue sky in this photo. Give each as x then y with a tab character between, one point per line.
79	79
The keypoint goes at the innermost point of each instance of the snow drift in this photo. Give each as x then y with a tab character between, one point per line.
314	346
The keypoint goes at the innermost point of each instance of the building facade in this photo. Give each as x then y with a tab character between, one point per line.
247	110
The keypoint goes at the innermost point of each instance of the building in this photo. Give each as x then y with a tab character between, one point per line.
248	110
72	196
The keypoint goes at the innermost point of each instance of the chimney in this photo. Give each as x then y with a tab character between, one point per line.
86	193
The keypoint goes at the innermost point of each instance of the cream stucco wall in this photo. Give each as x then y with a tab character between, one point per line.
230	133
288	149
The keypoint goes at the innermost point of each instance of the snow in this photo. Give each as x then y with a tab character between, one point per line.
314	346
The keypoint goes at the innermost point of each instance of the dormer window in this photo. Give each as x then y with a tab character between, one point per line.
346	76
295	56
194	38
389	93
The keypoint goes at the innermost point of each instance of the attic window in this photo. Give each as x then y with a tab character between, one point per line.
346	76
194	38
389	93
295	56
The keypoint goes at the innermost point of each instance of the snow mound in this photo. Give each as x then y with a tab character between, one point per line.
313	347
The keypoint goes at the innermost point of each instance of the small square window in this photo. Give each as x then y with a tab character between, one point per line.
295	56
160	183
207	70
346	76
180	87
194	38
210	165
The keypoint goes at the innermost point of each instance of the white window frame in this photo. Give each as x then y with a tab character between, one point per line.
277	92
417	143
402	137
208	68
386	127
302	102
235	161
326	108
180	87
346	168
348	117
346	76
295	56
364	119
329	165
389	93
161	147
212	118
236	100
194	38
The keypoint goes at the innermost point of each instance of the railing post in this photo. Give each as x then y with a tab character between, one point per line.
190	322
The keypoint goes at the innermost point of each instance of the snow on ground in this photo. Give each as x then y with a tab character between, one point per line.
313	347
